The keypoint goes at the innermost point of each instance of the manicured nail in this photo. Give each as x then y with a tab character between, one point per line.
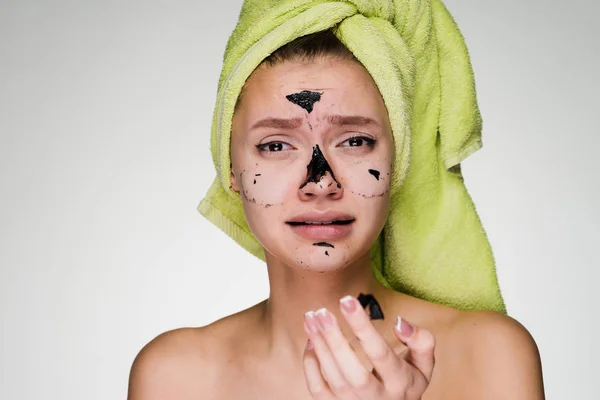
404	327
309	322
348	304
324	319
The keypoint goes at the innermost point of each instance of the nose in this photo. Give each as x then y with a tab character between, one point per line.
326	187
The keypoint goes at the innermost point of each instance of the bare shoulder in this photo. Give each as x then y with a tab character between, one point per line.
174	365
185	363
497	354
489	333
480	324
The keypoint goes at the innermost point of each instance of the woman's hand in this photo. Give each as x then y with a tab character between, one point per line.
333	370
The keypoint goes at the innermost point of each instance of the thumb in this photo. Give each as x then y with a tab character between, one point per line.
420	343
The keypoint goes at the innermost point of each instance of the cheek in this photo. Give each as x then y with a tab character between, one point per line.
366	178
264	222
264	185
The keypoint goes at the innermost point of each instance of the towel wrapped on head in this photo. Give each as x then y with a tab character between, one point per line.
433	245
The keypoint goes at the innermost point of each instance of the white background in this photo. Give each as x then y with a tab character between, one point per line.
105	112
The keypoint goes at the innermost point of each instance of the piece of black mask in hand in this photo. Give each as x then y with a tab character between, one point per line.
368	300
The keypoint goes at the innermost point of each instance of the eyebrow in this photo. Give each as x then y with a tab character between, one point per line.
294	123
354	120
278	123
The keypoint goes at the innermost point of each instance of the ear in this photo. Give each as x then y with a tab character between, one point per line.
233	182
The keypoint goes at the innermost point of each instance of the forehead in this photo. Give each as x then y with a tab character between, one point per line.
346	86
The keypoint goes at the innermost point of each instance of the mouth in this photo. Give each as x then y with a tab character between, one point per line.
322	227
333	222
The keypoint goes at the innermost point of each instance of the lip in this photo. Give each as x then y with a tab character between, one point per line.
322	232
326	216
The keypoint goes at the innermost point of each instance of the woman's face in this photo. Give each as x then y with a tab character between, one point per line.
312	153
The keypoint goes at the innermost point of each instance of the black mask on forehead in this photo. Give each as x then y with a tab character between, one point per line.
305	99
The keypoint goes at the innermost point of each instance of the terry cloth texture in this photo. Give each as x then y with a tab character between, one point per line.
433	245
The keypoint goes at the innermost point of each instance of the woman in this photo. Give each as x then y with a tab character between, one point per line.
315	163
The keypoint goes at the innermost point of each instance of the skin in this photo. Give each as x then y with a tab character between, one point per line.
263	352
272	183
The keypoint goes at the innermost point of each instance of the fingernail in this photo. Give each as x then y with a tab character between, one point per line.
348	304
324	319
309	322
405	328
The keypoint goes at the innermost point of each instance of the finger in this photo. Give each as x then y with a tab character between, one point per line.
362	381
384	360
332	374
421	345
317	386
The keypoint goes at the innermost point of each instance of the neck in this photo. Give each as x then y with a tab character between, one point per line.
293	292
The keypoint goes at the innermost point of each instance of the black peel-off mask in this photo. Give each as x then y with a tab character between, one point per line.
323	244
375	173
305	99
317	168
368	300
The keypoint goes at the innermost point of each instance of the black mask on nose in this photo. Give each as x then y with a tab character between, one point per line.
317	168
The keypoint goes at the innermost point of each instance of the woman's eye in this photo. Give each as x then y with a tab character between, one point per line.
274	146
358	141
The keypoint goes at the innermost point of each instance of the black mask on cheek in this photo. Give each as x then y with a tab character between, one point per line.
375	173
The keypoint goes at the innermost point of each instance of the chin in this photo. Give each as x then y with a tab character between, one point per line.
324	264
317	259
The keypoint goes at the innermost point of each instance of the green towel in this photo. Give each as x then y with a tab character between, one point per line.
433	245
